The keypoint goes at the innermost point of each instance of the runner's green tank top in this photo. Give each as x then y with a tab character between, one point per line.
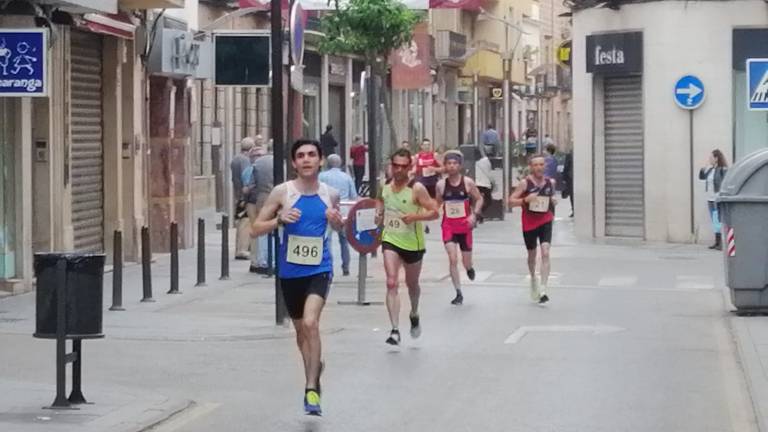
409	237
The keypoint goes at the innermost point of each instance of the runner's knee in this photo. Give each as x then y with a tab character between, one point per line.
311	325
392	283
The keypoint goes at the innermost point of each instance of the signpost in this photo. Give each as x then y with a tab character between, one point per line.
689	95
24	62
364	235
689	92
757	83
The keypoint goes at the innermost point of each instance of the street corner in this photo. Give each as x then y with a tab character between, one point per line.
117	410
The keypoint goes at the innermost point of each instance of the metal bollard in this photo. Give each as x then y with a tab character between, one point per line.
200	253
146	270
117	273
174	234
224	248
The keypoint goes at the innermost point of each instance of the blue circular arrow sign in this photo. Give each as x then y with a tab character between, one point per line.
689	92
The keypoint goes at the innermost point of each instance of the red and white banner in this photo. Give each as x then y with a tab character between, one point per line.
410	63
731	242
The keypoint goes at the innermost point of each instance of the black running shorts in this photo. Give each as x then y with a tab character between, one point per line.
408	257
297	290
542	234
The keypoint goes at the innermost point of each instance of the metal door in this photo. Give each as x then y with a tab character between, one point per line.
624	192
87	144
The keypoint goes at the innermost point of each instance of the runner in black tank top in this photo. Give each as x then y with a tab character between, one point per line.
461	202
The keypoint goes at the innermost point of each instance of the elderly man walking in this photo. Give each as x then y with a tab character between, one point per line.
239	164
345	186
257	192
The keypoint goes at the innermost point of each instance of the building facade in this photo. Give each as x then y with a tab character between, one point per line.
637	153
74	160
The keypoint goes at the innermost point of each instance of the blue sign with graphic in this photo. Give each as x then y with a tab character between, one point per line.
23	62
689	92
757	83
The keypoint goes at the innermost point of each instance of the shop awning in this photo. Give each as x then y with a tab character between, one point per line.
83	6
485	64
119	25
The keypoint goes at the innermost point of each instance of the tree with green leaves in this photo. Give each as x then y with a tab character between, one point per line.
371	29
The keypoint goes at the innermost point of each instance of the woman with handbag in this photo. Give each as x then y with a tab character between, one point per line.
712	174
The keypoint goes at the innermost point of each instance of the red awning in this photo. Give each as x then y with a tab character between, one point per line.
471	5
120	25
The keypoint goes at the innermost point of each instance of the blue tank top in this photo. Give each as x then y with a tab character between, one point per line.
312	234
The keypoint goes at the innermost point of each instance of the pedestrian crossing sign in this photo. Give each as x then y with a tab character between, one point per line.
757	83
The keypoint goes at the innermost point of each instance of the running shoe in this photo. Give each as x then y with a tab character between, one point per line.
415	327
535	293
471	274
543	297
459	300
394	337
312	403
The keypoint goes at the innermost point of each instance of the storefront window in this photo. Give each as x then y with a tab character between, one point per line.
415	116
750	127
309	122
7	185
751	132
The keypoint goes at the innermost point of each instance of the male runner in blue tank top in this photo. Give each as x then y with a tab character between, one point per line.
304	208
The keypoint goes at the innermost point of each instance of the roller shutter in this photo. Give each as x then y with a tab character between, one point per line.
87	143
624	201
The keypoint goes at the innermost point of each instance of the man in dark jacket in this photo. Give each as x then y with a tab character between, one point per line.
327	142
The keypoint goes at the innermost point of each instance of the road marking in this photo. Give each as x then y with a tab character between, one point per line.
694	282
480	276
520	333
178	421
617	281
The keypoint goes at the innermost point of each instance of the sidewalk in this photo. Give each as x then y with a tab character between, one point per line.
218	316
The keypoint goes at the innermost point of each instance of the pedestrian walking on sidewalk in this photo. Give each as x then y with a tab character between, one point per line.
713	174
240	163
257	191
305	208
483	180
536	196
403	206
461	202
427	169
327	142
357	153
568	179
342	183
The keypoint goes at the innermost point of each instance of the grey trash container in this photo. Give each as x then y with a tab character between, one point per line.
743	209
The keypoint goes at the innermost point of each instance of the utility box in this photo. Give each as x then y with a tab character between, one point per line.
743	208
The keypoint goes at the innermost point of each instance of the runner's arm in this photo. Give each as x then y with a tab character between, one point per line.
516	200
553	199
267	219
422	198
477	197
333	214
439	165
439	190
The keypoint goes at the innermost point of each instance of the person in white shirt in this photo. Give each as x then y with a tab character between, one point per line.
483	181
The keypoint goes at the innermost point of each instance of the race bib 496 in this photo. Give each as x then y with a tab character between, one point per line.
305	250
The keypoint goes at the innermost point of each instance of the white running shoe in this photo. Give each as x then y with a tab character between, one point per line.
535	293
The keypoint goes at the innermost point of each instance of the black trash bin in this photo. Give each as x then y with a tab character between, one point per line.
84	295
